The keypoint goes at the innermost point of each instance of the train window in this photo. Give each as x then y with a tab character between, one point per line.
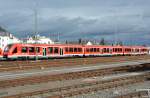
91	49
97	49
75	49
143	50
70	49
15	50
24	50
107	50
50	49
128	50
31	49
66	49
94	49
116	49
104	50
120	49
55	49
87	50
7	48
79	49
38	49
113	49
136	50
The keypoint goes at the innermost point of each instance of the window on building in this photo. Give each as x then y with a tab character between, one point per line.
24	50
55	49
31	49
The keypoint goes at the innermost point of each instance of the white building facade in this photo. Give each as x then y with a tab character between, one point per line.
39	39
7	39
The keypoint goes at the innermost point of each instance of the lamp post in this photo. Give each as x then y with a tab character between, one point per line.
35	30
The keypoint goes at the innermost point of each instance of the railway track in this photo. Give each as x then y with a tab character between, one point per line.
60	77
73	90
67	91
27	65
139	94
67	76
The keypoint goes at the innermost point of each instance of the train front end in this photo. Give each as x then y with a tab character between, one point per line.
7	54
1	54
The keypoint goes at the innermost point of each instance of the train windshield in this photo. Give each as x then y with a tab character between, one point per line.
7	48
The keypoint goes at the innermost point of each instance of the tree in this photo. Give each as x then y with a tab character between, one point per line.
80	41
66	42
2	29
102	42
120	43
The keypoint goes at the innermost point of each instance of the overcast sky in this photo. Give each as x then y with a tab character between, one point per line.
126	20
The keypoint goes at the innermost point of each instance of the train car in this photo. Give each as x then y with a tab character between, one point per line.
117	50
1	54
33	51
72	50
144	50
139	50
127	50
15	51
61	50
97	50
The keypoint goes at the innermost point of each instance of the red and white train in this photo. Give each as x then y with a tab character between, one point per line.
31	51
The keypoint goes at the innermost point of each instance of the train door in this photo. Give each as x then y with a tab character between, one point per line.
61	51
44	51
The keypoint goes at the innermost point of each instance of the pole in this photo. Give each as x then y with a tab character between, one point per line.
35	29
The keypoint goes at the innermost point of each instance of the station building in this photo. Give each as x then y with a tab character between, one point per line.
7	38
38	39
